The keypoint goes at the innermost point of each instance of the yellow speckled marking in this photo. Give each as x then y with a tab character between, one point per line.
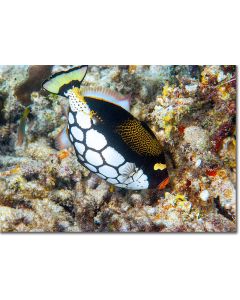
138	138
78	94
92	114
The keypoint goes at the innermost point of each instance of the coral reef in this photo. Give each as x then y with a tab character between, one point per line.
191	109
36	74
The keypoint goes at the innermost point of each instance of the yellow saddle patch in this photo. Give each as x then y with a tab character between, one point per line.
159	166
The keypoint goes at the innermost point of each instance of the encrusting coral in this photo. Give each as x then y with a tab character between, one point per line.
192	111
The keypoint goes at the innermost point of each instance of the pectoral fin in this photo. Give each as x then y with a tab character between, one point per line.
62	140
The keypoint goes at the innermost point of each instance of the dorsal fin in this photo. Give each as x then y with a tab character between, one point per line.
108	95
59	83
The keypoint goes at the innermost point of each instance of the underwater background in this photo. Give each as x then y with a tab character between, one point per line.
192	111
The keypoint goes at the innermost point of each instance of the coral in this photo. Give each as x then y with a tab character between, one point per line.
191	109
197	138
36	75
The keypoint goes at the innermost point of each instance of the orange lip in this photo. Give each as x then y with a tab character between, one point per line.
162	185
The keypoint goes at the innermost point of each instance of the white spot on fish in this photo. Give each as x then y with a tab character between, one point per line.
83	119
80	147
121	185
127	169
122	178
100	175
80	157
143	178
137	175
108	171
136	185
95	140
77	133
129	180
90	167
112	157
111	180
70	118
94	158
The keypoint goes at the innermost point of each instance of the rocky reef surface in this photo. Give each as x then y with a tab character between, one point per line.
191	109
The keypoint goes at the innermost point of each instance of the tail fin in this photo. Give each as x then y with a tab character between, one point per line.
61	82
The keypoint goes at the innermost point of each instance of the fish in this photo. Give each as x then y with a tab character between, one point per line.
22	126
108	140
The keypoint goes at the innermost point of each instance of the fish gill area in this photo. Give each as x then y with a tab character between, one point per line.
191	110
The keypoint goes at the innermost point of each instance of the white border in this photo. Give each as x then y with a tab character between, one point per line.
119	32
142	266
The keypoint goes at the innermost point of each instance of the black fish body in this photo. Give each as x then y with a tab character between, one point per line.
107	139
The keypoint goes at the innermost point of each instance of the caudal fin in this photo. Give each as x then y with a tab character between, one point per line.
59	83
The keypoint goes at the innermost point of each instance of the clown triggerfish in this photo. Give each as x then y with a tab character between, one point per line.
107	139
